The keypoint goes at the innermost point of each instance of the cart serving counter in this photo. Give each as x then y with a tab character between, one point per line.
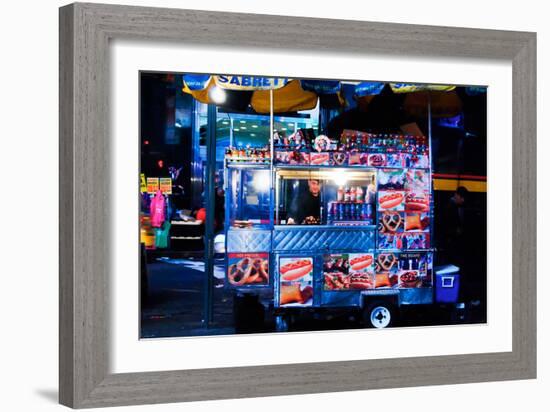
314	222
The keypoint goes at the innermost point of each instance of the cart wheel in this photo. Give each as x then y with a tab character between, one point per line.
281	323
379	315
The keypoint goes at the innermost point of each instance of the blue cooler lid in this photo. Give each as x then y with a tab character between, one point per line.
447	270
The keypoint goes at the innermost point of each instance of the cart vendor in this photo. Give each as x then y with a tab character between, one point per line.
306	207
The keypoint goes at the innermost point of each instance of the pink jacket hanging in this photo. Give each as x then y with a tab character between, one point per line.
157	210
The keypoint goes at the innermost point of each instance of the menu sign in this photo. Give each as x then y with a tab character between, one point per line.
403	210
152	184
142	183
165	184
403	270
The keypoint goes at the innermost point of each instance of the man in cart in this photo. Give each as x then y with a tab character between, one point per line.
305	208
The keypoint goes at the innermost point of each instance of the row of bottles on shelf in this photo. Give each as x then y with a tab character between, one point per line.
353	194
248	154
355	212
351	141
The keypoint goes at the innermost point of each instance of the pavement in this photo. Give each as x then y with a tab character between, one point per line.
174	302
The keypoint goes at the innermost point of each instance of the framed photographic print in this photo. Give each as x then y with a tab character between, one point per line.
316	191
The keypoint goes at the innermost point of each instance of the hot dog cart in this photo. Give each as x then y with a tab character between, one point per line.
315	223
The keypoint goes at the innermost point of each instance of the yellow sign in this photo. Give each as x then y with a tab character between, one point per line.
142	184
152	184
166	185
452	184
249	82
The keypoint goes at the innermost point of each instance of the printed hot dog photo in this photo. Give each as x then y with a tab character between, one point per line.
295	270
361	262
417	202
296	281
391	200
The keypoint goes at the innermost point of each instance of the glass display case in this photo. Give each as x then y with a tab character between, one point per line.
325	196
249	196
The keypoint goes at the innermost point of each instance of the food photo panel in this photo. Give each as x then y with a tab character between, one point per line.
391	200
391	179
296	281
248	269
348	271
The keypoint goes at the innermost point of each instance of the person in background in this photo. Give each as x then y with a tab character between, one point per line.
454	224
306	207
219	205
459	232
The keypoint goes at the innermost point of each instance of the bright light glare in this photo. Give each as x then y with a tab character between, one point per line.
261	181
339	177
217	95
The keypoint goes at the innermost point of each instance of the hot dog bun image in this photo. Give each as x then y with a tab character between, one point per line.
295	269
391	200
361	262
417	202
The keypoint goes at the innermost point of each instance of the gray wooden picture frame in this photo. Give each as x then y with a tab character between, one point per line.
85	31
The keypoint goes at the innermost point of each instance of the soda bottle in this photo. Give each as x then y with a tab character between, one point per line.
340	194
352	195
332	211
347	211
359	194
357	211
364	212
347	194
398	242
340	211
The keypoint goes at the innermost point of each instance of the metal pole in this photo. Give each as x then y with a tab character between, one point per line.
209	194
271	150
231	132
432	222
430	129
196	165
